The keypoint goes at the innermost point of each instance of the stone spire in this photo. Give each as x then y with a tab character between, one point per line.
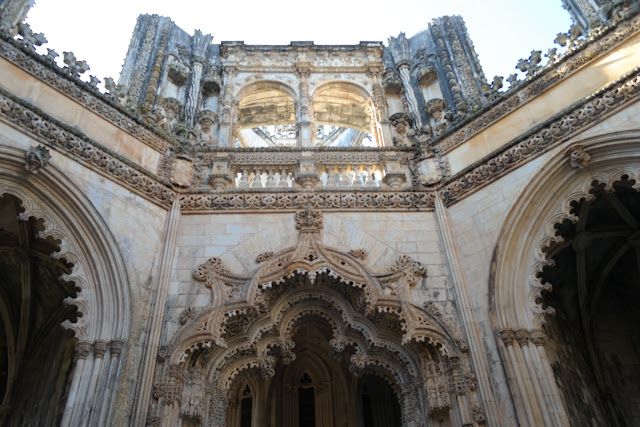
13	12
590	14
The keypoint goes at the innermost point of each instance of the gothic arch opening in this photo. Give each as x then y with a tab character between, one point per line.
266	115
594	337
342	114
93	302
35	352
319	375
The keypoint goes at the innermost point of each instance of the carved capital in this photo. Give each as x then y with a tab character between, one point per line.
507	336
100	348
522	336
83	349
538	337
116	348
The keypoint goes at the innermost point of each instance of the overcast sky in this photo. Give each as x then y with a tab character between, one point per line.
502	30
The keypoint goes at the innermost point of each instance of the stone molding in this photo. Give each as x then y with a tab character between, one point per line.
78	146
534	87
82	93
589	111
288	201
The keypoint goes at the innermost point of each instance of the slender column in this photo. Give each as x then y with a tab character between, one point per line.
228	116
74	399
508	337
99	349
409	94
522	336
467	313
161	287
547	378
306	127
115	348
191	103
382	111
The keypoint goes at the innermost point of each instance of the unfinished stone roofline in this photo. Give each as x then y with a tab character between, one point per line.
580	52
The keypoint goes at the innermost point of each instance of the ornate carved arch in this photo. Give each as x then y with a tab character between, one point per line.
367	320
235	296
529	227
517	307
97	271
84	240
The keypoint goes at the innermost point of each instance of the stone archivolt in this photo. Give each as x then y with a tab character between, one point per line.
252	321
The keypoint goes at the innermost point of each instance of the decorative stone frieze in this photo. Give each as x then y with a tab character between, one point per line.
615	96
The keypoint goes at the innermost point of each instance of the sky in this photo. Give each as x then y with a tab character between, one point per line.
503	31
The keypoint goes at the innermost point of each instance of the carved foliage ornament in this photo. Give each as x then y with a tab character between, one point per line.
309	219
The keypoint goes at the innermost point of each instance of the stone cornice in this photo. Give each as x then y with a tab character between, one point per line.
78	146
536	85
570	122
82	93
286	201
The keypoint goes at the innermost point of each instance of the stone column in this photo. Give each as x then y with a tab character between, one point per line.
228	115
306	128
547	378
115	349
199	43
522	336
382	109
152	343
75	399
467	313
409	94
191	103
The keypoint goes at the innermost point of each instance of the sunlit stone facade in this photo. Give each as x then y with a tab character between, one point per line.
307	235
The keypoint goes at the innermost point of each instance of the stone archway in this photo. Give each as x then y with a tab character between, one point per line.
524	257
91	262
255	333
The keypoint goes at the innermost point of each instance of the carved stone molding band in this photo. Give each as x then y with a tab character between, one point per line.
519	97
592	110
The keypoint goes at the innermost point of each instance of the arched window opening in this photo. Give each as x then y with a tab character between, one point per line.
342	117
306	402
594	339
266	116
378	404
246	407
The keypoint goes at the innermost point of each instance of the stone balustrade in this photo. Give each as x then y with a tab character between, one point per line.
309	169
